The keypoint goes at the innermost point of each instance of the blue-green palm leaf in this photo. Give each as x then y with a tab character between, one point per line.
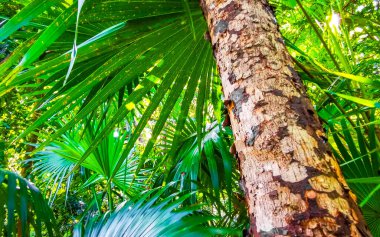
56	162
151	215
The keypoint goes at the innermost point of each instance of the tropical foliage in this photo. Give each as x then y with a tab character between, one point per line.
23	205
138	218
103	100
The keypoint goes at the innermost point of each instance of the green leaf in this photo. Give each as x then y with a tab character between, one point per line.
25	16
370	195
27	211
208	146
367	180
365	102
150	217
177	88
74	50
289	3
189	15
11	204
349	76
50	34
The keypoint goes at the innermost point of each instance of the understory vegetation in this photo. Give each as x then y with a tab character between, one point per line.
112	117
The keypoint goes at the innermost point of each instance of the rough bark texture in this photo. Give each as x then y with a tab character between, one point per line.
293	185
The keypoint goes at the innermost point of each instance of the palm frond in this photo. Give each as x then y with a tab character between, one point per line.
55	164
157	49
23	208
151	215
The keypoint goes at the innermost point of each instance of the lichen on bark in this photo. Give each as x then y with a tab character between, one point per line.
293	184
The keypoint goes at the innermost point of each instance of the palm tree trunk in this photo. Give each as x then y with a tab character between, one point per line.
293	184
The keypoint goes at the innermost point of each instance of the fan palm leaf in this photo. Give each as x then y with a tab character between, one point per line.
150	216
56	162
157	47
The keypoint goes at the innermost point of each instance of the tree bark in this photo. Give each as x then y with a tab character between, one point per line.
293	184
